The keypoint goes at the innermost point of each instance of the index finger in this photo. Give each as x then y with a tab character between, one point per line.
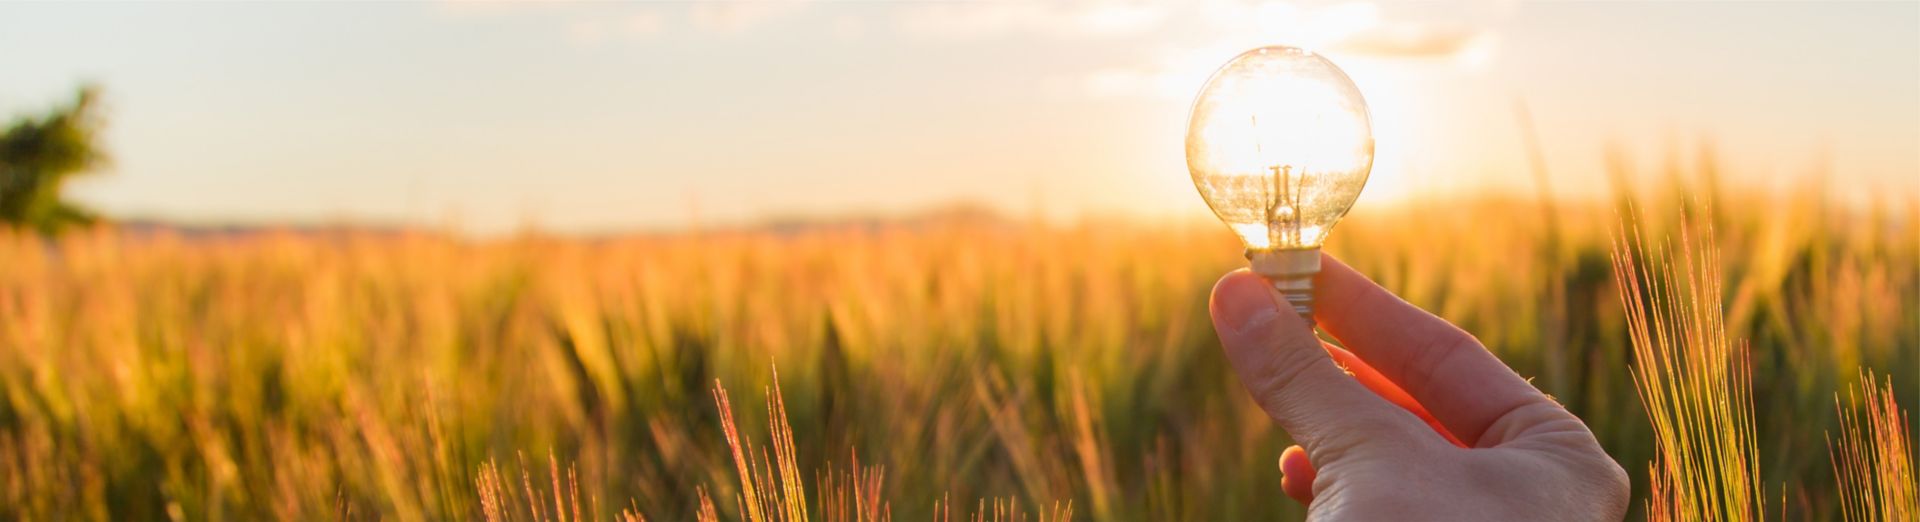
1462	384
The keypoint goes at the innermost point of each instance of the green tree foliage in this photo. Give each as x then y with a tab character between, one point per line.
39	155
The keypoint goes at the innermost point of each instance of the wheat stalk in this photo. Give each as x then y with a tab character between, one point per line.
1872	463
1693	378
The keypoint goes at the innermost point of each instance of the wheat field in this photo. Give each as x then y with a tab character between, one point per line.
954	365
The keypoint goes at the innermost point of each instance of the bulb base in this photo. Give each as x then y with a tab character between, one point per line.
1291	272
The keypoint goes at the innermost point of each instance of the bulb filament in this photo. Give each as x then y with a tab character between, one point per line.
1281	194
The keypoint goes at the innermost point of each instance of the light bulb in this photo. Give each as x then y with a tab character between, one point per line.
1280	145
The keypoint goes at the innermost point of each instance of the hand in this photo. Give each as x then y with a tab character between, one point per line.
1428	425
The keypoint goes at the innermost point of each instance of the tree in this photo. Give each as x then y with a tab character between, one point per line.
39	155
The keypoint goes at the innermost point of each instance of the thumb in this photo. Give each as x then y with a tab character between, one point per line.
1280	361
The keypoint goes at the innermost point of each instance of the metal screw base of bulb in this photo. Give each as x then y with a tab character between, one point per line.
1291	272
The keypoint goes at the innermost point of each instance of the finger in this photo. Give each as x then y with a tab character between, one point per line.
1386	389
1445	369
1279	360
1297	474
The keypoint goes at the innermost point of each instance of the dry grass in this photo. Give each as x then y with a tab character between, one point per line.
1694	378
501	502
769	490
359	375
1696	381
1873	461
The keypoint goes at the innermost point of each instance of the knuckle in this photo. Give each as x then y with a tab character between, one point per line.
1533	419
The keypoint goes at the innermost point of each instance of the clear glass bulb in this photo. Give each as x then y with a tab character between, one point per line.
1280	145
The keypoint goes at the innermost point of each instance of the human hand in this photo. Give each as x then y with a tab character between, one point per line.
1429	426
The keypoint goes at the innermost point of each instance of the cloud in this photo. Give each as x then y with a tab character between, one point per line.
1067	20
590	22
1351	29
1411	40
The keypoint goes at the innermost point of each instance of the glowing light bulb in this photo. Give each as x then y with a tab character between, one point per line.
1280	145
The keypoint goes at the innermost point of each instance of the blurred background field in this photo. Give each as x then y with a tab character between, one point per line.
306	374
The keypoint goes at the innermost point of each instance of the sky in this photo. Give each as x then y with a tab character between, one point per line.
597	117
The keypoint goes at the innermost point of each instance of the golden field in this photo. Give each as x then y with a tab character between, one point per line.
970	360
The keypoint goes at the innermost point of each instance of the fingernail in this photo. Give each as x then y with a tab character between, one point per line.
1244	304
